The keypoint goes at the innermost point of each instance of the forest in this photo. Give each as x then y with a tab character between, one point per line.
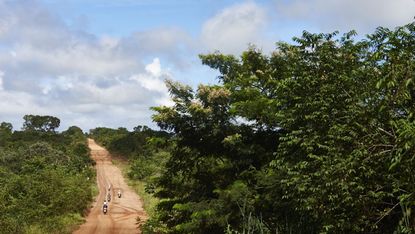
47	180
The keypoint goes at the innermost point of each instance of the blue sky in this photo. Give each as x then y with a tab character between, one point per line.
124	17
103	62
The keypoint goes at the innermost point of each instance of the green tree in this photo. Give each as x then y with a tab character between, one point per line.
40	123
6	128
212	151
5	132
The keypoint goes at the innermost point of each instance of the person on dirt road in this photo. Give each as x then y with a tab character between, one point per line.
105	207
119	193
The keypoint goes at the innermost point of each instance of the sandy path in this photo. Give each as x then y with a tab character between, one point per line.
122	212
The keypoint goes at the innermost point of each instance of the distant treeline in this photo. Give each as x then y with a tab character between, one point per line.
45	177
138	143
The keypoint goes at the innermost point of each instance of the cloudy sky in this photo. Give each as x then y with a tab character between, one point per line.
102	62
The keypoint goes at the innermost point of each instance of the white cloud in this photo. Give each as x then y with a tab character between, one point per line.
154	68
79	59
109	42
4	27
64	83
165	101
169	43
46	89
234	28
346	15
18	103
122	93
1	80
151	83
153	79
13	53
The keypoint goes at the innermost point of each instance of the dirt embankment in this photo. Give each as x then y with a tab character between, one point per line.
122	212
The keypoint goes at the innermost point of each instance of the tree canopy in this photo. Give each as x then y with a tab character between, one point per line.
41	123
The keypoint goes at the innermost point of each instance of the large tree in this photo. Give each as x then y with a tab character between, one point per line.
42	123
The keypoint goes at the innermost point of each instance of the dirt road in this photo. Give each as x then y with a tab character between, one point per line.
122	212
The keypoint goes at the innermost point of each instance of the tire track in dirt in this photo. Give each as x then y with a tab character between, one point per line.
122	212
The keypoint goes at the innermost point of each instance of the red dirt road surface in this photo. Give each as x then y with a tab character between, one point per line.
122	212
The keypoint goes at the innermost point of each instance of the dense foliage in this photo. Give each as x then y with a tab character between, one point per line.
318	137
45	178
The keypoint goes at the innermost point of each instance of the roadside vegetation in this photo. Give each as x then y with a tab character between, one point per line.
46	177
